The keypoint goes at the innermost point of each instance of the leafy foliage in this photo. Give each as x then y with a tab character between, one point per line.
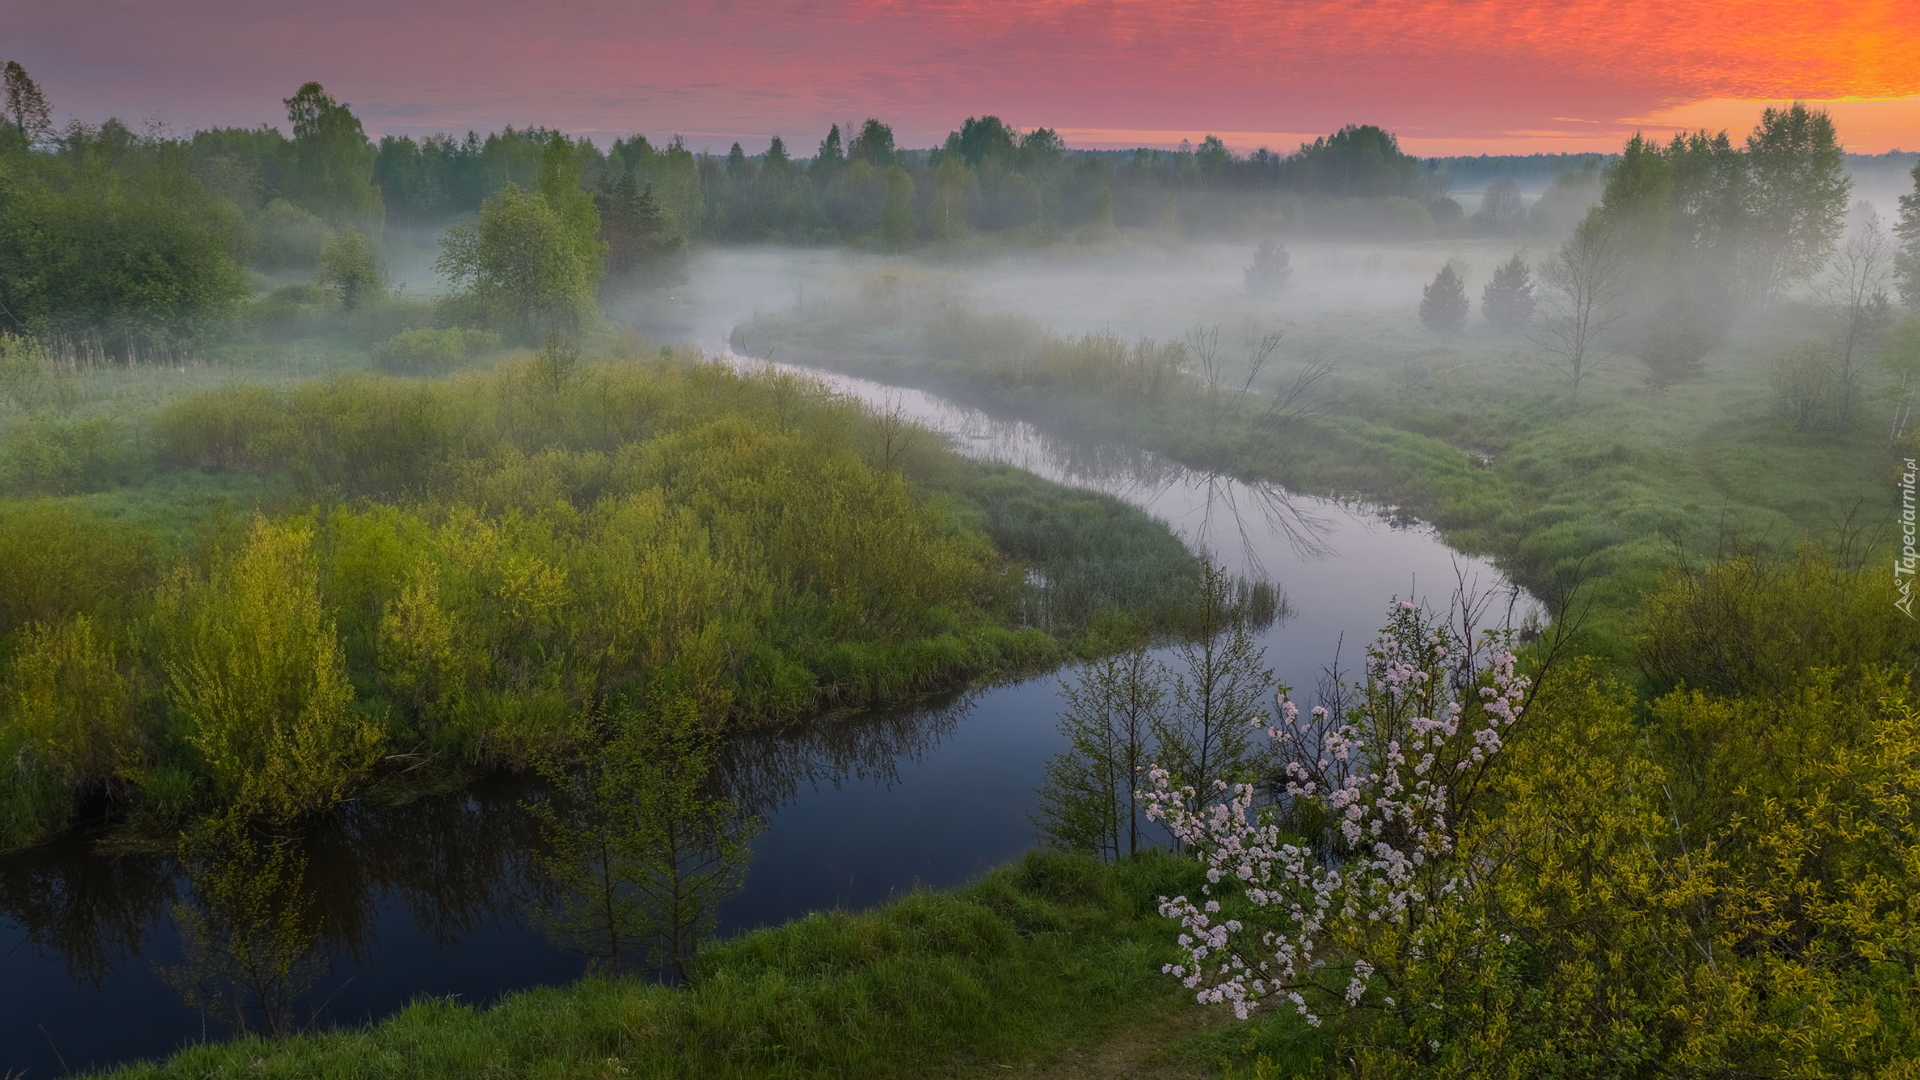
483	557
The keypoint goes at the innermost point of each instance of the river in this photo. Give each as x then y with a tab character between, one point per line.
433	898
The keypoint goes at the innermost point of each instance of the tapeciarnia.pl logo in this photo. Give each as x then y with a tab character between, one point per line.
1903	567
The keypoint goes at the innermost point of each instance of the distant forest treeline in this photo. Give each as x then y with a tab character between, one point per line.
118	244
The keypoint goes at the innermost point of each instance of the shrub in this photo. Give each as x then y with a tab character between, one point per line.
428	350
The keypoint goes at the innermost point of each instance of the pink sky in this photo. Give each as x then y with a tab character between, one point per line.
1450	76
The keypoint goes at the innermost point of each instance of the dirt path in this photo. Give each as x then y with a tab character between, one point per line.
1136	1052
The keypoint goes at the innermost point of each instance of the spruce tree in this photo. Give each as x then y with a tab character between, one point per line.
1507	301
1443	304
1271	270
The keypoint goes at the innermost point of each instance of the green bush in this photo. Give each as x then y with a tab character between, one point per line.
427	351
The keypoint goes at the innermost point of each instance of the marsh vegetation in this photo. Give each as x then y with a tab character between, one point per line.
344	484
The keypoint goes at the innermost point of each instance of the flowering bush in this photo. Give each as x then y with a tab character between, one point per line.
1364	913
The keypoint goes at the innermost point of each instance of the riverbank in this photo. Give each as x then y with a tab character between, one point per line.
1604	493
1051	953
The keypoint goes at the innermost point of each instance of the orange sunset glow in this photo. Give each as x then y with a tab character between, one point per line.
1448	75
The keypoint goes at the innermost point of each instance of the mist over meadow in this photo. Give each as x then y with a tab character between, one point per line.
519	601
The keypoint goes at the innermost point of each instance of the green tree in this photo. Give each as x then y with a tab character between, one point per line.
1087	800
981	140
830	158
347	267
330	171
26	104
1358	161
873	145
257	682
1041	150
640	242
776	163
1212	156
524	262
896	211
1798	196
1443	304
1906	259
639	839
947	213
116	242
1507	301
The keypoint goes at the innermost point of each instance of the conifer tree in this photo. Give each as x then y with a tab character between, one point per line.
1507	301
1443	304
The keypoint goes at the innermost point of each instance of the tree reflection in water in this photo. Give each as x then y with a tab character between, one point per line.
249	927
271	928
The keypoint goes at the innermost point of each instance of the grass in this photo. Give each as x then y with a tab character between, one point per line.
1472	432
1052	955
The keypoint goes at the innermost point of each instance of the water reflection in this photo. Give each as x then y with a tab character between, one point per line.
91	911
360	912
765	771
641	844
1245	523
249	926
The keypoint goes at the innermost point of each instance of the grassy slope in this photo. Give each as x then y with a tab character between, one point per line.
1056	951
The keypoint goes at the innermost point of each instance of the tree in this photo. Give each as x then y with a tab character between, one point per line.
738	166
1383	794
1580	304
896	211
1443	304
1854	293
116	243
1087	801
982	139
1271	269
1797	198
348	268
1502	208
1358	161
637	836
1507	302
775	164
1041	150
640	242
1906	259
332	163
26	104
830	158
873	145
256	679
1220	690
523	262
947	210
1805	383
1212	156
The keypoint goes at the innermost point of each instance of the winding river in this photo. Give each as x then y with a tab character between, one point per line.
432	899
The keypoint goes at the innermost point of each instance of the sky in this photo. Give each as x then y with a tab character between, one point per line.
1449	76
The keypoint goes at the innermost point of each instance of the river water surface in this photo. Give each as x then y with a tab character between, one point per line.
432	899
